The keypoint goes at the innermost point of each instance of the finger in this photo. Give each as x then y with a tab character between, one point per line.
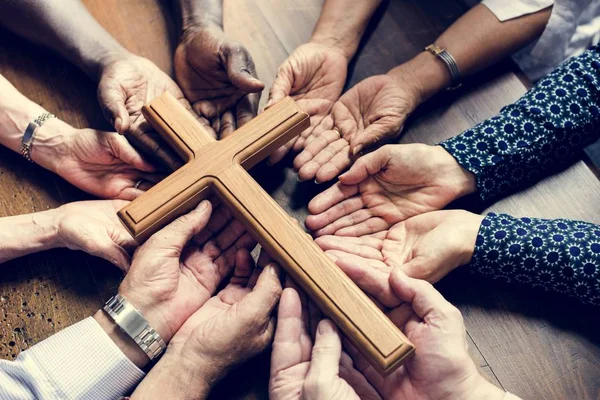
365	367
112	102
179	232
259	303
369	164
384	128
368	227
325	360
227	125
246	109
287	347
322	223
400	315
282	86
425	299
351	219
329	153
240	68
332	168
113	253
330	197
278	154
244	266
318	144
372	281
123	150
157	151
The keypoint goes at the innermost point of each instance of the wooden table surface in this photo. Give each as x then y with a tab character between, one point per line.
536	345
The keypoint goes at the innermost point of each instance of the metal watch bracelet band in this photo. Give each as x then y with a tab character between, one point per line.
450	62
29	134
133	323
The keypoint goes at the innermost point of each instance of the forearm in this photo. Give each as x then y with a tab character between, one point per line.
343	22
16	112
65	26
25	234
476	41
200	13
557	255
538	135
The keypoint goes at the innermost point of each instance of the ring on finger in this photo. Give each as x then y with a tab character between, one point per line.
138	183
336	130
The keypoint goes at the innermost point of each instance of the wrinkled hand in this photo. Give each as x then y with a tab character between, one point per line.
314	76
102	163
93	227
172	276
428	246
300	370
372	111
218	77
126	85
231	327
387	186
441	367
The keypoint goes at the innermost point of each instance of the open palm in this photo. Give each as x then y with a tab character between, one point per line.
314	76
427	247
388	186
373	110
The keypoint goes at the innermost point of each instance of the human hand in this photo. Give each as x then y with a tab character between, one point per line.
178	269
218	77
428	246
93	227
301	371
388	186
314	76
231	327
126	85
441	367
372	111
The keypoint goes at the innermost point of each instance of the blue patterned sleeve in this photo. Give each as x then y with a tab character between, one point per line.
538	135
558	255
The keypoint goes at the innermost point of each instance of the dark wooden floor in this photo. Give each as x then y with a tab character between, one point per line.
530	343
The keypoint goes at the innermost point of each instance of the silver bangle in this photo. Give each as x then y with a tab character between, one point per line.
133	323
29	134
450	62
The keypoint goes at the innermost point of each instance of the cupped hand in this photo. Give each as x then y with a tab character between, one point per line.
173	274
93	227
441	367
428	246
102	163
218	77
370	112
314	76
388	186
126	85
300	370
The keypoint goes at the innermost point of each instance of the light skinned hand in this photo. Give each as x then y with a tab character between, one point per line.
231	327
441	367
300	370
217	75
127	83
314	76
428	246
372	111
172	275
100	163
93	227
387	186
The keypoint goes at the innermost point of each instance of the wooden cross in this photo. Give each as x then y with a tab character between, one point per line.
221	166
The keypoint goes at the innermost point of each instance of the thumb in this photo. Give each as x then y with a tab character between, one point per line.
282	86
325	360
425	299
367	165
112	252
240	68
124	151
179	232
112	102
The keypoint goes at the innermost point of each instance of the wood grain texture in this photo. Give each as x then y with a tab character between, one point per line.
220	165
537	345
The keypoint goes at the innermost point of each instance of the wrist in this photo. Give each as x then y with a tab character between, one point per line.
467	228
425	74
484	390
459	181
51	144
126	344
334	44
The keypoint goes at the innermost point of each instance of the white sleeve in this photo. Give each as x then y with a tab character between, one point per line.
79	362
505	10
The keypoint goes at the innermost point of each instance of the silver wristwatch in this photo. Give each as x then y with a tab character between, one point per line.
133	323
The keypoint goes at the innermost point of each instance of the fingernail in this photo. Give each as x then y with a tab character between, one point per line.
203	205
317	181
342	175
300	179
325	327
272	270
357	149
118	123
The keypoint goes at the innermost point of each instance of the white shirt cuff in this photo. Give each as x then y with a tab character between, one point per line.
505	10
82	362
